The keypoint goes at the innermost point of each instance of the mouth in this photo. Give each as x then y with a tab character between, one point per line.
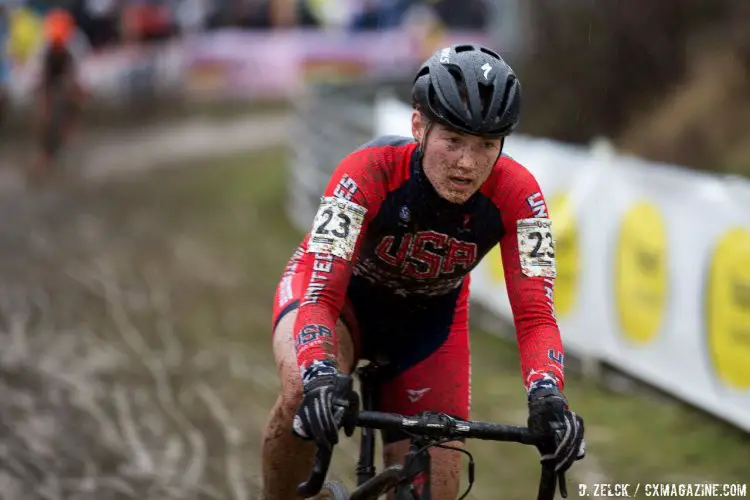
460	183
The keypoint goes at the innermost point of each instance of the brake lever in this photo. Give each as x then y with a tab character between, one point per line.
563	485
547	483
318	474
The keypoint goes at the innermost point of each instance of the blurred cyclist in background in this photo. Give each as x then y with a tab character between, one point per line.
58	94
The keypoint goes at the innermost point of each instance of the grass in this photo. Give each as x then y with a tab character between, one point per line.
191	259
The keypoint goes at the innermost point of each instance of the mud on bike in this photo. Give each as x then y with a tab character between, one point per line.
412	480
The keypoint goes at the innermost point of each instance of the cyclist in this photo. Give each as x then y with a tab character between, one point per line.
58	74
384	275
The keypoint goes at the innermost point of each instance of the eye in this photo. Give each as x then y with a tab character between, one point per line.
490	145
453	140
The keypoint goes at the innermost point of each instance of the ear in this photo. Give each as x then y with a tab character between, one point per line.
417	126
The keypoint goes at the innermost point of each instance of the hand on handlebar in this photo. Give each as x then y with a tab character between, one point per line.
560	431
328	403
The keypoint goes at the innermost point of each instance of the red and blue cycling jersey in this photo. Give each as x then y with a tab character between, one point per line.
386	240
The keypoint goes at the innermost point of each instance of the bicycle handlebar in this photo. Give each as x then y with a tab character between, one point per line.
441	426
433	425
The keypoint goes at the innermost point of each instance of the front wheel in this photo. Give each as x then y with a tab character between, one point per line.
332	490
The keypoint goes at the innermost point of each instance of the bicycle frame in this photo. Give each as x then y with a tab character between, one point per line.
416	483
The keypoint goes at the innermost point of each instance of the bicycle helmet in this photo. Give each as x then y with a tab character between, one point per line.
59	26
469	88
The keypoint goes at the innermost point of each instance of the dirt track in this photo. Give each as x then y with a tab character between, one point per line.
107	387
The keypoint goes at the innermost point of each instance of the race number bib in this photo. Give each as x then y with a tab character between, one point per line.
536	247
336	227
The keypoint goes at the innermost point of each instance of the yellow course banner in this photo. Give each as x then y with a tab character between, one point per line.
565	232
641	276
728	308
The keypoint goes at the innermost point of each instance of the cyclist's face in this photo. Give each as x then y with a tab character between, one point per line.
455	163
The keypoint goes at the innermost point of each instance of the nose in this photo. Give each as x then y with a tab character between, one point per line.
465	160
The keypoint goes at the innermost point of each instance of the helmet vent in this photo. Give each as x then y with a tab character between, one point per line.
460	85
489	52
485	94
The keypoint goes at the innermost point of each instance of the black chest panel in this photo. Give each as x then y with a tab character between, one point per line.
419	245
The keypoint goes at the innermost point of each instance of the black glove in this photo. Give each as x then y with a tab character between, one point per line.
559	430
327	404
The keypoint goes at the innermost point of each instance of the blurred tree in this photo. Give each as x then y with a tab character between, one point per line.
593	65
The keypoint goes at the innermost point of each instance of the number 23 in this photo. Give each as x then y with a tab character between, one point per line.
344	222
539	237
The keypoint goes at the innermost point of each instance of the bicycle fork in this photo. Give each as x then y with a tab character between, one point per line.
366	462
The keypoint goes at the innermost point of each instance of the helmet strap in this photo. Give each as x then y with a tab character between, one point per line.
502	146
427	128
